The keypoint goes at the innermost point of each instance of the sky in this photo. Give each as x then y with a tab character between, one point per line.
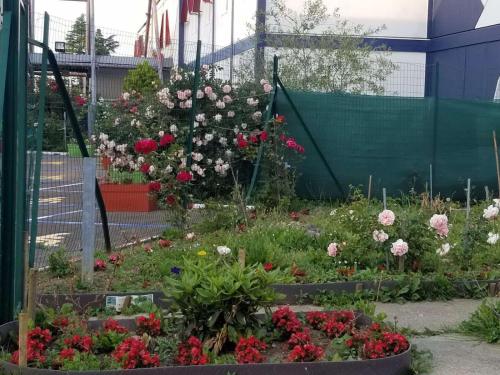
123	15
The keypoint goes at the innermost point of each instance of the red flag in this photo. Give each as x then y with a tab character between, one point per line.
184	11
195	6
161	31
167	30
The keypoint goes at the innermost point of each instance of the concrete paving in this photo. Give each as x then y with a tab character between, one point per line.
434	316
460	355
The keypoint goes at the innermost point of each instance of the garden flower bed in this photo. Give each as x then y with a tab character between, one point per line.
325	340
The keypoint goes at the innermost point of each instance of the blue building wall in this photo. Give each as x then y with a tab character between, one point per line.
468	54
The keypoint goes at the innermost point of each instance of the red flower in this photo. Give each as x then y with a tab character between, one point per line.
190	352
60	322
154	186
242	143
299	338
133	353
166	140
145	168
280	119
134	109
170	199
249	350
291	143
305	353
263	136
81	343
184	176
116	259
37	343
53	86
300	149
253	139
68	353
80	100
99	265
164	243
150	325
286	321
113	326
316	318
294	215
268	267
145	146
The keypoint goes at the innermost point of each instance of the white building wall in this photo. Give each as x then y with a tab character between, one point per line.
402	18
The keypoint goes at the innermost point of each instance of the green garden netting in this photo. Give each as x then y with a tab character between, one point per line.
394	139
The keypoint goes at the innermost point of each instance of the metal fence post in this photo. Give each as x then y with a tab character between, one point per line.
88	219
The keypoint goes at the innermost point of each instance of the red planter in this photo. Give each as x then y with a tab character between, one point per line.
128	198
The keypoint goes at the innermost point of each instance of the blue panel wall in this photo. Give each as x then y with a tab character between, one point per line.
469	58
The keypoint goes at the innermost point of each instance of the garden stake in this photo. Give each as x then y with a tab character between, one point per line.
430	184
32	281
23	339
384	197
241	258
487	193
401	261
468	200
496	159
369	188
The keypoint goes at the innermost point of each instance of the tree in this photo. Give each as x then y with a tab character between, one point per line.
105	46
76	39
318	57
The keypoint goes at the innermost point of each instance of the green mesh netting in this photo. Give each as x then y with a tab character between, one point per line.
395	140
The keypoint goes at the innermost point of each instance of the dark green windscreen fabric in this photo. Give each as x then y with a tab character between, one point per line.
395	140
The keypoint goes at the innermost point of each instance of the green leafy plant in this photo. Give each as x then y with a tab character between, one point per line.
59	264
421	361
484	322
143	79
219	301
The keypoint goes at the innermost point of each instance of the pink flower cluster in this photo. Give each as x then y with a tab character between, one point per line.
399	248
440	224
386	218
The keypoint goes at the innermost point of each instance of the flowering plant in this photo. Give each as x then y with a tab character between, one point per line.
248	350
148	133
150	325
190	352
133	353
286	321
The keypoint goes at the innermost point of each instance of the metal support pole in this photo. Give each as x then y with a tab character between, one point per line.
39	144
88	219
231	59
192	115
93	78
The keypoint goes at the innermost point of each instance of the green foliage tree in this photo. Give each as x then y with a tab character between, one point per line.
314	56
143	79
76	40
76	37
105	46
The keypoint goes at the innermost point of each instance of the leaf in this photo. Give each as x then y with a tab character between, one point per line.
213	318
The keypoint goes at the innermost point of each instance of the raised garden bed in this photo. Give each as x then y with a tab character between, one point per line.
392	365
294	293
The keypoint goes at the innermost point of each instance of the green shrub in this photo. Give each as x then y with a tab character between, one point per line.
59	264
484	322
219	301
143	79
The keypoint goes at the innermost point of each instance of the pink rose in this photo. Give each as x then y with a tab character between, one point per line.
380	236
332	250
440	224
399	248
267	88
226	89
208	90
386	217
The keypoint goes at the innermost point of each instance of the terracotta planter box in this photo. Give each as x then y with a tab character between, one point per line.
128	198
395	365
